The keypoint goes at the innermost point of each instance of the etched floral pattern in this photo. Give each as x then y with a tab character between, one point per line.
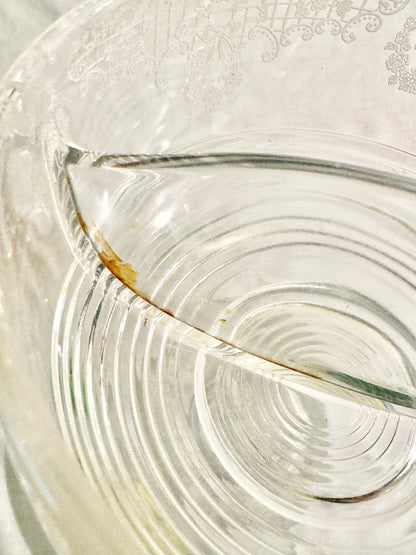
398	62
208	40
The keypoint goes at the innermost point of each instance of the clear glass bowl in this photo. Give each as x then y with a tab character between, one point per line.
208	274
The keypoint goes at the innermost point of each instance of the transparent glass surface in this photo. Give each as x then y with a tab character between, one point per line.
208	277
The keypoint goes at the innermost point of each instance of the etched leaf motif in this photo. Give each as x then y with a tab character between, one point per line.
410	24
402	39
344	7
303	9
319	4
398	62
203	11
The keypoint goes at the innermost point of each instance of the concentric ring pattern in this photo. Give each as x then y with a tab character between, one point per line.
204	447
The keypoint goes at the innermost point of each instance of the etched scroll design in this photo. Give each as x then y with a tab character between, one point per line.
209	39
